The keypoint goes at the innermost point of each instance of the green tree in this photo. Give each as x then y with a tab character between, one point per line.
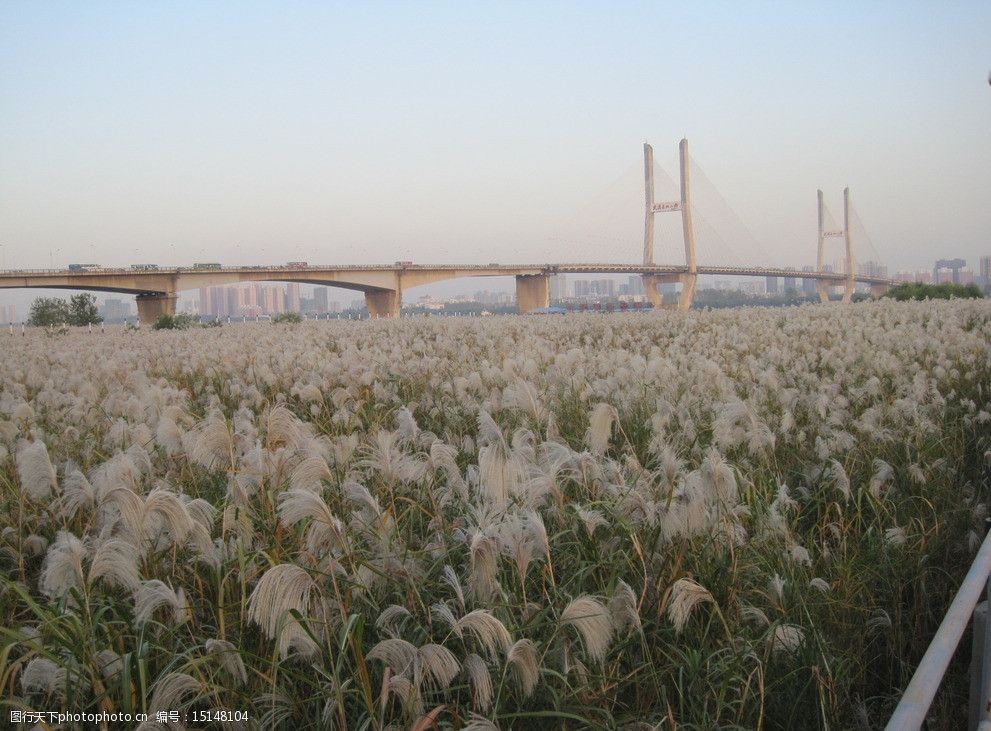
289	317
943	291
173	322
47	311
82	310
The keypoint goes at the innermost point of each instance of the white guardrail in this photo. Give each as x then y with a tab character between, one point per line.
911	711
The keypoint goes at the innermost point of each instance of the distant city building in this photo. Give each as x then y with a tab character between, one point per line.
558	285
320	300
772	285
292	297
808	285
985	272
115	310
953	265
872	269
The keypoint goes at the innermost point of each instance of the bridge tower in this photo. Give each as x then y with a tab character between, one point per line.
822	285
689	277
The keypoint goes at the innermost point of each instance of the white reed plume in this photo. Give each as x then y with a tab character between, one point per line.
175	691
776	588
309	474
685	596
480	681
282	589
501	471
325	530
211	443
398	655
283	429
444	456
35	470
884	473
389	618
109	663
154	594
406	425
839	477
408	693
450	577
229	658
63	566
44	676
35	545
895	536
820	585
623	608
523	395
479	723
115	561
385	456
77	494
786	639
600	425
490	633
591	519
438	665
523	659
168	436
591	620
750	613
484	580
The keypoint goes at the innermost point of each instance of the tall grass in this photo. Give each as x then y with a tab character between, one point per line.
749	518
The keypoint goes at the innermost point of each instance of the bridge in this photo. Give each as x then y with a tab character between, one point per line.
157	289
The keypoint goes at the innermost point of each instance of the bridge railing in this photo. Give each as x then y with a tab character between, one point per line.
918	697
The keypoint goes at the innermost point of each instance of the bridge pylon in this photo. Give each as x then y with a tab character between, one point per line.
823	285
689	277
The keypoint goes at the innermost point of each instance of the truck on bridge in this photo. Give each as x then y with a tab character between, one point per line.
207	265
83	267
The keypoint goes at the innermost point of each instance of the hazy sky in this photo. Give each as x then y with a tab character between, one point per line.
473	132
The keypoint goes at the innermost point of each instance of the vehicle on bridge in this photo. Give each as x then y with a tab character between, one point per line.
207	265
144	267
404	264
297	264
84	267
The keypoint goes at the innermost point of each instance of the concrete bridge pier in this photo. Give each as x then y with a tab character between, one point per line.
822	287
151	306
685	297
533	291
878	289
384	302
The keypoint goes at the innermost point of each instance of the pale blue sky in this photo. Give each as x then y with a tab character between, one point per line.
263	132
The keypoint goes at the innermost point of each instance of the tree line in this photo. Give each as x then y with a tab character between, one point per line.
79	309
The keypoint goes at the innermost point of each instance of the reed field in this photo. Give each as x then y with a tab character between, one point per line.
749	518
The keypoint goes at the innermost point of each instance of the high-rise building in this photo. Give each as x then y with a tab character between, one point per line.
985	272
772	285
603	287
115	310
320	299
634	285
558	286
808	285
292	297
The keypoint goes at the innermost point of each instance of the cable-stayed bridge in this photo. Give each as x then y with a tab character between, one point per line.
156	288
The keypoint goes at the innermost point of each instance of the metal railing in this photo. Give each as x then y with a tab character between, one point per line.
918	697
